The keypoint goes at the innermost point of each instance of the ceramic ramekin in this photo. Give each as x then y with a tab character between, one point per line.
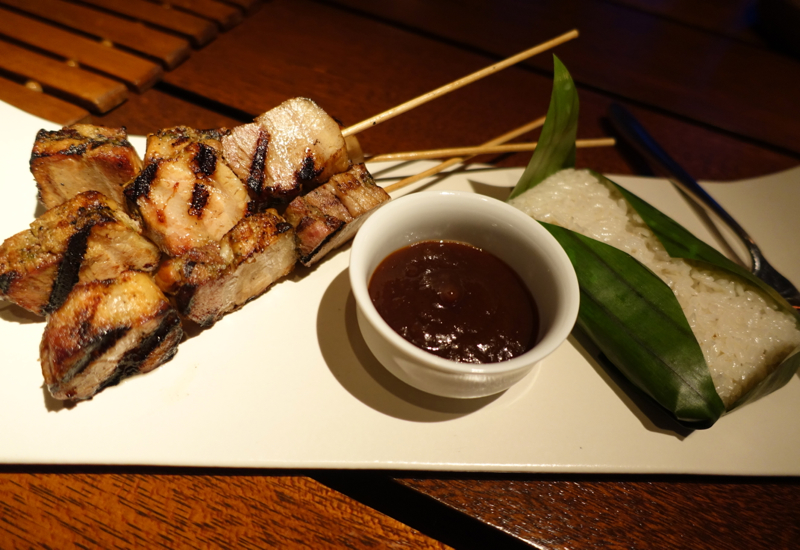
493	226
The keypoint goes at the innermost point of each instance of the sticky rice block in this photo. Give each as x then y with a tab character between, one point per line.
742	333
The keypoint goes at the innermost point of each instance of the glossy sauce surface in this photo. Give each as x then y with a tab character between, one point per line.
456	301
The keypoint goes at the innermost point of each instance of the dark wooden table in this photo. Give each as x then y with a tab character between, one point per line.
710	80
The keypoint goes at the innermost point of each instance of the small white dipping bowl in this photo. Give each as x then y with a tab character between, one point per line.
486	223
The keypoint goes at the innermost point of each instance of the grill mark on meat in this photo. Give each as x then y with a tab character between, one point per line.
141	185
306	259
46	135
93	350
71	133
309	170
205	161
177	142
130	362
200	194
69	268
282	227
6	280
77	150
255	180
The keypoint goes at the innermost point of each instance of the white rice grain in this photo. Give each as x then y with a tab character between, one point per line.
741	332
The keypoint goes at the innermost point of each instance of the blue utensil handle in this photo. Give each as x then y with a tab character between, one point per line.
630	129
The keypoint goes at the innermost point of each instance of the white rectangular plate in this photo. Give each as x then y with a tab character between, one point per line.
287	382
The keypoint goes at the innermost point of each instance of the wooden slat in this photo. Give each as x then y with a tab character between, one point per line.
168	49
225	15
41	105
138	73
199	31
249	6
96	93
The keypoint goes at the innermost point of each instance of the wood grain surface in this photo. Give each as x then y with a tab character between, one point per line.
224	15
627	59
170	50
198	30
710	87
249	6
138	73
164	510
89	90
598	512
41	105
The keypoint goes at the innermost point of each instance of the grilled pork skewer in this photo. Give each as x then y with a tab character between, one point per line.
198	212
87	238
82	158
186	195
209	282
210	271
287	151
330	215
106	331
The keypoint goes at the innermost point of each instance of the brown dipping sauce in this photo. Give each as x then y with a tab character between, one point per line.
456	301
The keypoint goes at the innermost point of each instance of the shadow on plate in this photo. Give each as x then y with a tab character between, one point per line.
651	415
16	314
499	193
388	176
356	369
55	405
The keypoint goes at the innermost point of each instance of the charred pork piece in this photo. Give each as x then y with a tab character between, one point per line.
106	331
287	151
169	142
245	151
189	200
319	220
87	238
82	158
357	190
330	215
209	282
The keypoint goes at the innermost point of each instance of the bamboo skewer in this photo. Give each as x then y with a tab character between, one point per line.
481	150
408	105
508	136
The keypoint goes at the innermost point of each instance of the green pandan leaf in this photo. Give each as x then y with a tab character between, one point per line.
681	243
636	321
556	148
628	311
